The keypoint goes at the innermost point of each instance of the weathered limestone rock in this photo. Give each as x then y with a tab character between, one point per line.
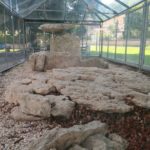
65	52
43	89
18	115
45	106
140	99
26	81
37	61
118	139
14	92
34	99
92	87
101	142
94	62
61	138
61	106
35	105
77	147
55	92
55	27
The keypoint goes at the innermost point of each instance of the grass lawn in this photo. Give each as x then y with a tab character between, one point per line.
11	50
132	53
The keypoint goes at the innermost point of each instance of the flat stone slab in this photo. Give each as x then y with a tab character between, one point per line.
79	137
55	27
55	92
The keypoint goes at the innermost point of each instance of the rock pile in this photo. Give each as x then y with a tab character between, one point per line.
55	92
37	100
91	136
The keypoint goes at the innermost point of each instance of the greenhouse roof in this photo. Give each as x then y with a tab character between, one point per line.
69	10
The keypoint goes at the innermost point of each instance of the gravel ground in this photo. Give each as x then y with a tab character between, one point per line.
133	126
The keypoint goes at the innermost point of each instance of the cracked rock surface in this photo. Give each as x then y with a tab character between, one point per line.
131	85
91	136
55	92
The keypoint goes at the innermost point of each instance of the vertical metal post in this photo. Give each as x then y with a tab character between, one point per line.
99	45
19	31
96	42
12	23
6	60
116	38
102	38
108	48
126	34
25	38
144	34
82	39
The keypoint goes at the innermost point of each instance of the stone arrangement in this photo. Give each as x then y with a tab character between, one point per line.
91	136
55	92
64	51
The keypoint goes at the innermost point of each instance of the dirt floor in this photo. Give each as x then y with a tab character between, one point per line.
133	126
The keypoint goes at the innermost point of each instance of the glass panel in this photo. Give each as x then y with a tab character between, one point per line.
46	9
3	63
46	15
94	41
113	5
121	37
18	40
9	39
106	38
135	24
147	48
112	38
131	2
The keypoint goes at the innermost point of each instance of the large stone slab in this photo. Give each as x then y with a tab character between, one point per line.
61	138
38	61
101	142
18	115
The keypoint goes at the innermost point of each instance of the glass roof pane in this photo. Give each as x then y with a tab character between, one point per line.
113	4
131	2
75	10
91	17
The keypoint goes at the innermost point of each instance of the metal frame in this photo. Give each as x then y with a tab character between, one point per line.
141	66
14	59
94	10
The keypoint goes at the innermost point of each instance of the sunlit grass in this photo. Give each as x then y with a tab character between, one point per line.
132	53
11	50
121	50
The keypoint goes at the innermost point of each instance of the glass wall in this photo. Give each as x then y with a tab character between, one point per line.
2	39
11	40
109	38
147	47
135	25
123	37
